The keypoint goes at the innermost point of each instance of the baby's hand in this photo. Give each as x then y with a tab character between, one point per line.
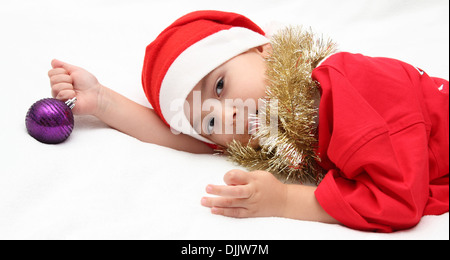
254	194
68	81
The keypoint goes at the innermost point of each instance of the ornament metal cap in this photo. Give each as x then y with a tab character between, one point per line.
71	102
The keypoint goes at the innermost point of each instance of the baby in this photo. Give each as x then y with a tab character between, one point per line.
382	129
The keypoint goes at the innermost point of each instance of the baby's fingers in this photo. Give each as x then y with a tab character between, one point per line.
239	191
60	90
66	94
228	207
57	71
223	202
231	212
60	78
236	177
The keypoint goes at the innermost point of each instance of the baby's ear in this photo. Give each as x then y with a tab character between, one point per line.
265	50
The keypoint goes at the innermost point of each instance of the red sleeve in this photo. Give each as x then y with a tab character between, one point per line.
382	187
373	138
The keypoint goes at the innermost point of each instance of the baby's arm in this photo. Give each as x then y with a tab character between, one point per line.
68	81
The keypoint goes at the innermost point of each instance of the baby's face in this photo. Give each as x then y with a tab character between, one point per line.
223	101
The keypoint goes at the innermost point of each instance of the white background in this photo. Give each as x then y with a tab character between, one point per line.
103	184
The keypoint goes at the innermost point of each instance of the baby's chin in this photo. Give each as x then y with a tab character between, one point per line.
254	143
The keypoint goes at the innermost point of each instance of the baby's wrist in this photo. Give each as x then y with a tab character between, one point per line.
103	101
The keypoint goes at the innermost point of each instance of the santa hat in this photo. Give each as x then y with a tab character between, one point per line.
187	51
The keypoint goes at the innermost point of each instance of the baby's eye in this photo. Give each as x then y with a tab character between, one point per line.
210	126
219	86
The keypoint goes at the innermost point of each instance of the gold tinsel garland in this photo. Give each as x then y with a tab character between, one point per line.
291	95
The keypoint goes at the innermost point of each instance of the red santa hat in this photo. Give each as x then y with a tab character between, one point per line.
187	51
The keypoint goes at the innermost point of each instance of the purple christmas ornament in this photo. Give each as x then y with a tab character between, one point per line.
50	120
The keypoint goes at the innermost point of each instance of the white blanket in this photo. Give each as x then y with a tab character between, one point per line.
102	184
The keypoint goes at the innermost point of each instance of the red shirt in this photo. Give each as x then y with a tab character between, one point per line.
384	140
